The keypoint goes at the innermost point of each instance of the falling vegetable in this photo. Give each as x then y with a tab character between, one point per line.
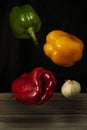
35	87
62	48
24	22
70	88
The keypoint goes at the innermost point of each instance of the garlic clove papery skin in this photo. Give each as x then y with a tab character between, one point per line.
70	88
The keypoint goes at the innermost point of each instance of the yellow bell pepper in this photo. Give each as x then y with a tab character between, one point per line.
62	48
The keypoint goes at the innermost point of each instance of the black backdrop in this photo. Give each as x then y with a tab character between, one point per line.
18	56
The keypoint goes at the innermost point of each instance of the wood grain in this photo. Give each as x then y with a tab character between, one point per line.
56	105
48	122
58	113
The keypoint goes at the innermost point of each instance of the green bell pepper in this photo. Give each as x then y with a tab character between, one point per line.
24	22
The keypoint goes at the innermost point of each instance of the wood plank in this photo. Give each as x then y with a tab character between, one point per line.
48	122
55	106
58	113
56	96
67	118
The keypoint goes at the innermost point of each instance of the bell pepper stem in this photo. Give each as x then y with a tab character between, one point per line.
33	36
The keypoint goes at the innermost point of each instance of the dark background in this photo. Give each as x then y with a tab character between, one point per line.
18	56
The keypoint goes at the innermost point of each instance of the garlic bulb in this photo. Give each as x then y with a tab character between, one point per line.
70	88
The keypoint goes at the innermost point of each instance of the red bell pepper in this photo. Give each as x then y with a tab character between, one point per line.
35	87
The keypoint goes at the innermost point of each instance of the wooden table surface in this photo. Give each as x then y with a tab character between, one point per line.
58	113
